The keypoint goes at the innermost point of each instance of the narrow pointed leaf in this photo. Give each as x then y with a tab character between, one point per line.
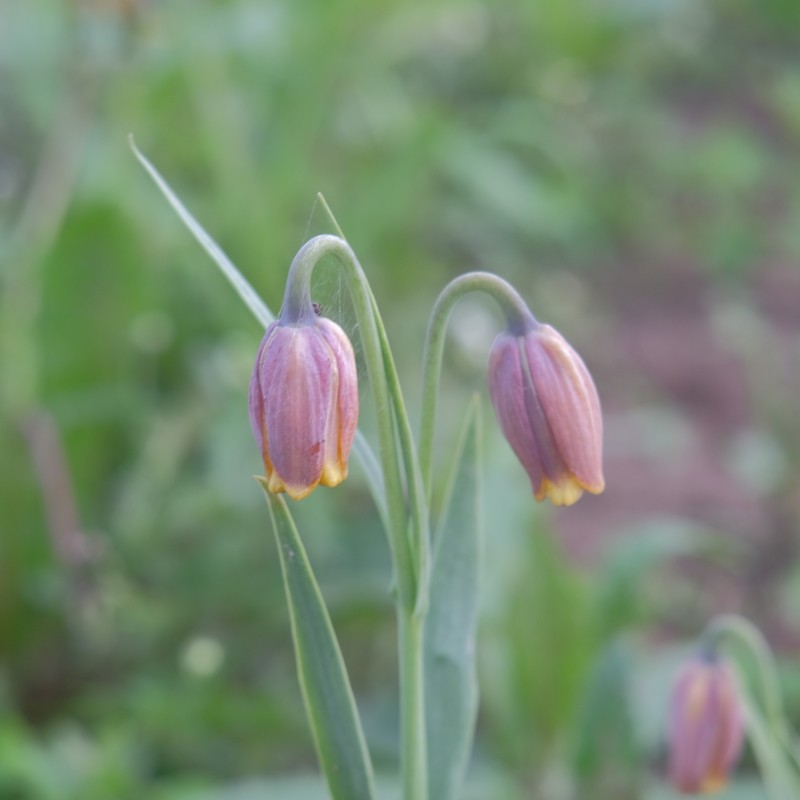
329	700
259	308
450	670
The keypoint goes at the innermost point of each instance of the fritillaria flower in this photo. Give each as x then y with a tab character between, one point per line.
549	411
705	729
304	404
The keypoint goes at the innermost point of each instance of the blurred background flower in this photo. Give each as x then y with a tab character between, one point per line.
706	725
630	166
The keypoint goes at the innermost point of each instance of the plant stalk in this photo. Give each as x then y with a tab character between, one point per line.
413	755
297	290
407	529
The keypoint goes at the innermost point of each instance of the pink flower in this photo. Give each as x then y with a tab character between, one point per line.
706	729
549	411
304	405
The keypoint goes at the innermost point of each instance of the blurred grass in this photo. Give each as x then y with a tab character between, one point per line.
622	163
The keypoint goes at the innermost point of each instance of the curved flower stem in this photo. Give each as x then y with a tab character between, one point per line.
408	546
518	318
298	287
411	461
738	632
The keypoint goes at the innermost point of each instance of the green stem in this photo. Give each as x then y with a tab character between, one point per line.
419	508
407	548
414	751
738	631
778	773
295	306
518	317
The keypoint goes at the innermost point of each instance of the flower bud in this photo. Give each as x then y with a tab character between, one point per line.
304	404
706	730
549	411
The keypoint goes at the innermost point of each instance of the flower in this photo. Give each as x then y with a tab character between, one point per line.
304	404
705	729
549	411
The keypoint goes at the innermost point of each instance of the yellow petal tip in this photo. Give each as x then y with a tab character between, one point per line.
560	493
333	474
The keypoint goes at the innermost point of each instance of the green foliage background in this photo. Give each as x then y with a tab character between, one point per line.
631	166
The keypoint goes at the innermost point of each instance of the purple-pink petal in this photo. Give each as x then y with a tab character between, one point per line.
303	405
570	404
255	400
296	385
507	391
706	726
549	412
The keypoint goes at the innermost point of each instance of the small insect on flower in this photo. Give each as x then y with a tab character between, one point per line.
705	728
304	404
549	411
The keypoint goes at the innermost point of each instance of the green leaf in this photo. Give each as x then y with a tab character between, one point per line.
604	737
329	700
251	299
450	670
780	775
540	649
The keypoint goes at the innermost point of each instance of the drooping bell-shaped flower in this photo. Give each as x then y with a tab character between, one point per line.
549	411
304	403
705	727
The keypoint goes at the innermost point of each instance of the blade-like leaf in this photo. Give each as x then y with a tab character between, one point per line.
227	267
329	700
450	671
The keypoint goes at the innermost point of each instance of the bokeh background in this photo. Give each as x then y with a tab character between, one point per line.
632	166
